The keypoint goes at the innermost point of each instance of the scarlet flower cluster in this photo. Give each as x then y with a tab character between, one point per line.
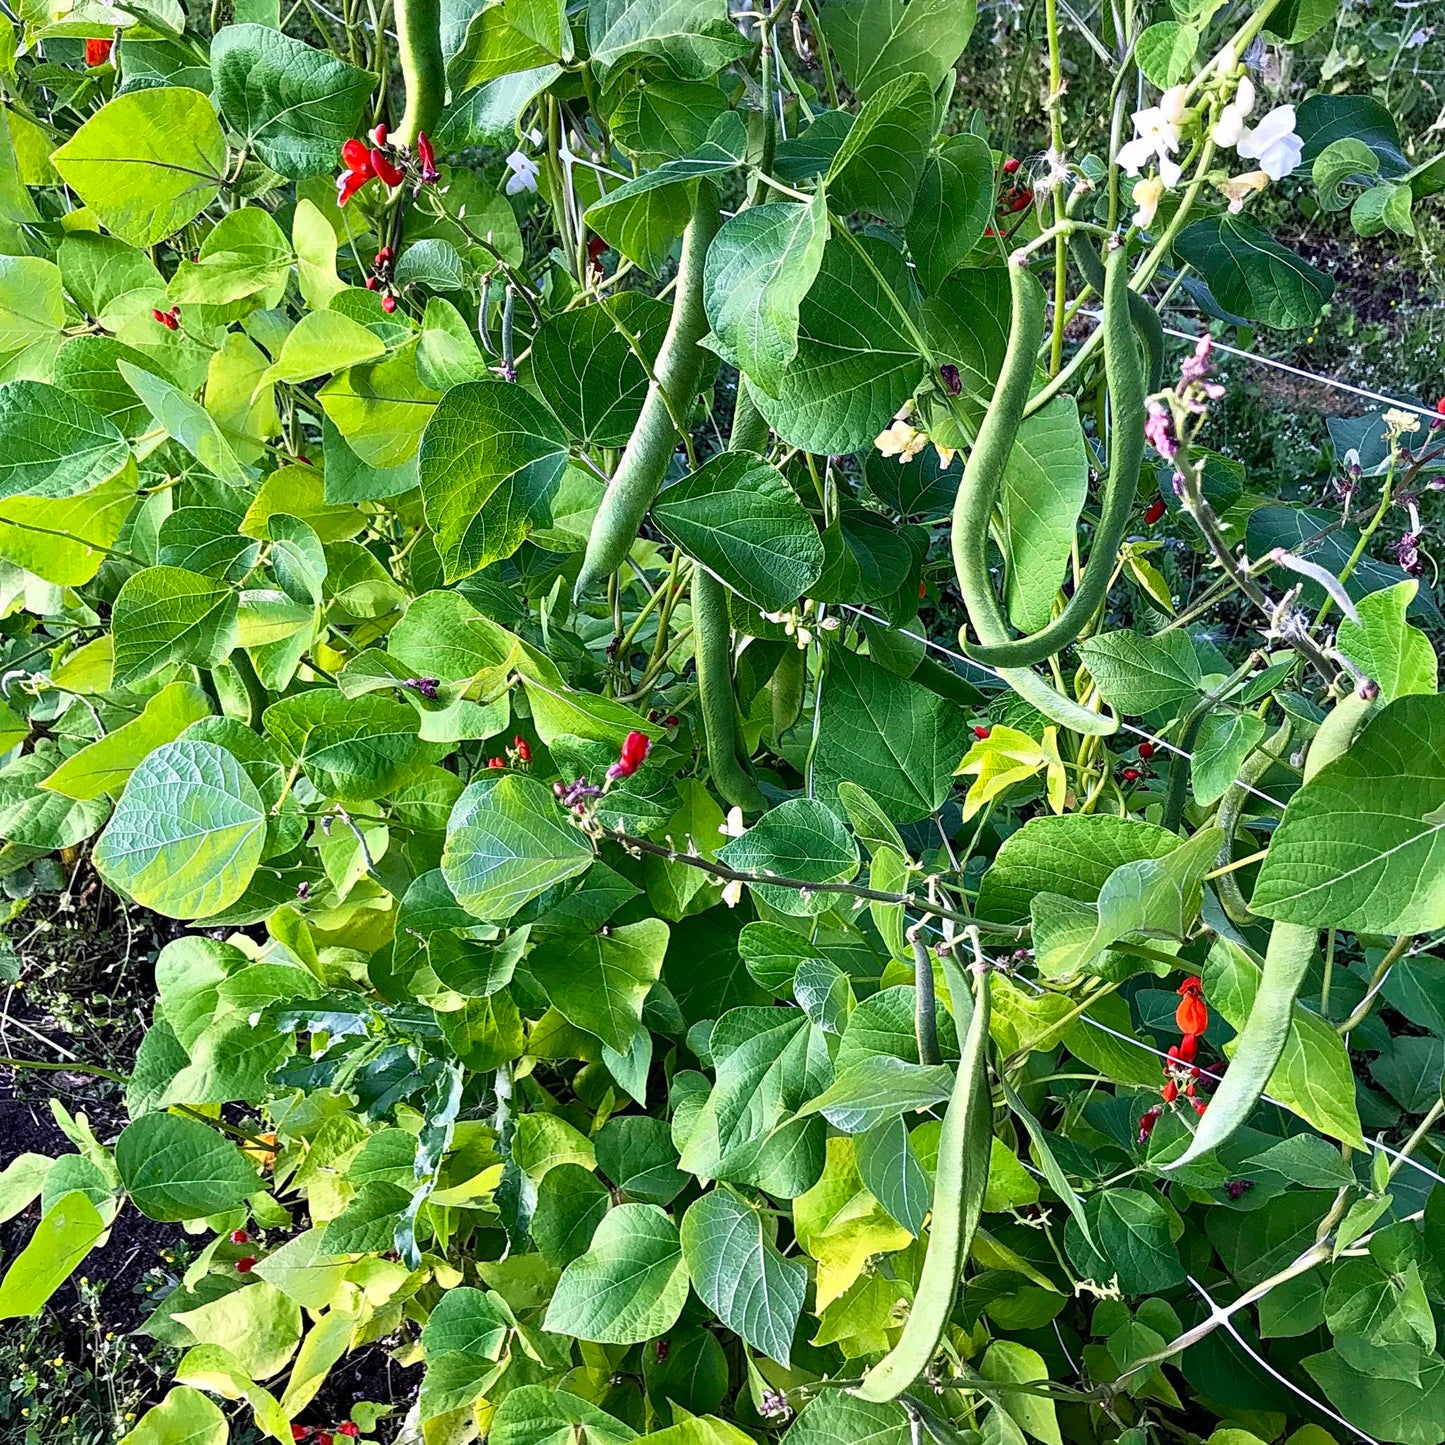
362	162
1014	197
171	319
1181	1073
350	1429
518	755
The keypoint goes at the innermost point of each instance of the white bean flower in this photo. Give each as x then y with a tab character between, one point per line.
1156	138
524	173
1273	143
1230	125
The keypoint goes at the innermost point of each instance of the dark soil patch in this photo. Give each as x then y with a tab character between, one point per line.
366	1374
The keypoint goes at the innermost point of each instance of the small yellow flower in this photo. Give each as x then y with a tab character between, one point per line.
945	454
1147	193
1401	423
900	440
1238	189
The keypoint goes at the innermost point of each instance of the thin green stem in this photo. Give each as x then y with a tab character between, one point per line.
1366	1005
640	846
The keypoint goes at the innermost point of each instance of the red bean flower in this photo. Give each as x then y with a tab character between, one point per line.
356	160
634	754
1155	511
97	52
1192	1015
428	158
384	169
1147	1120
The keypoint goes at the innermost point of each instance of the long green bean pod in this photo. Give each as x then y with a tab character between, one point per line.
978	491
712	633
963	1156
1125	375
1231	809
1147	325
925	1023
786	688
419	43
713	649
654	438
978	494
1286	961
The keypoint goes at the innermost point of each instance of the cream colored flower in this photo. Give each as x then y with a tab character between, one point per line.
1147	193
733	826
1174	104
1400	423
945	459
900	440
1238	189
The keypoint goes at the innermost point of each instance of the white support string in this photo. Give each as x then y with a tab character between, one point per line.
1158	1053
992	672
1328	382
1223	1318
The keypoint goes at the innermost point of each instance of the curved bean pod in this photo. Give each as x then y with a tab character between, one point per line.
654	439
1125	375
1286	960
419	43
963	1157
978	494
1147	325
712	632
714	647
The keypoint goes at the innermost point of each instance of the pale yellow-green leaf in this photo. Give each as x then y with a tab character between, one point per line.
104	766
1005	757
321	344
841	1225
184	1417
315	244
65	539
215	1369
258	1324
